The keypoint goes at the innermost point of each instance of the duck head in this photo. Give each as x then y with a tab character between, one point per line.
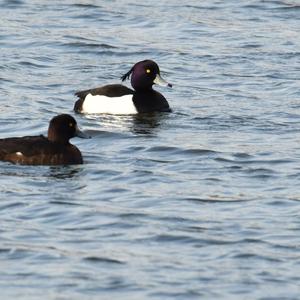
144	74
62	128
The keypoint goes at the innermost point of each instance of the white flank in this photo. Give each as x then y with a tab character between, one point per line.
19	153
105	105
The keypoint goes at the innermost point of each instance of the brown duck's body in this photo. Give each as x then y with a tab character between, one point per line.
40	150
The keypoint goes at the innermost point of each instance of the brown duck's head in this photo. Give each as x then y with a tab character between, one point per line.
62	128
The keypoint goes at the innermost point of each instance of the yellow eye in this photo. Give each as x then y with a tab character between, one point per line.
71	124
148	71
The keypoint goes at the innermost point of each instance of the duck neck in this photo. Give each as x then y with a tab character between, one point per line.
52	137
143	89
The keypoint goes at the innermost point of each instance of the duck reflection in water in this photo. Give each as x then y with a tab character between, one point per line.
148	124
144	124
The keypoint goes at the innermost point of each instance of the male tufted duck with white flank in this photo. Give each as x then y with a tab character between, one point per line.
119	99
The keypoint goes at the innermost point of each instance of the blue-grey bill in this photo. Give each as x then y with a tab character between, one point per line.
160	81
81	134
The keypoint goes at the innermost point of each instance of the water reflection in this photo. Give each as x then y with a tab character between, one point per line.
146	124
58	172
12	3
64	172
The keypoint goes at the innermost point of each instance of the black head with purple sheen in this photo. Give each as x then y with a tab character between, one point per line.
144	74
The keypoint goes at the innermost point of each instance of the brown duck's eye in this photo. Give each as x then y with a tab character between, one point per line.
148	71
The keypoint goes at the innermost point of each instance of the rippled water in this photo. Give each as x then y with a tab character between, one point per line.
202	203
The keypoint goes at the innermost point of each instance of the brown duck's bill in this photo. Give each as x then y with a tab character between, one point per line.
81	134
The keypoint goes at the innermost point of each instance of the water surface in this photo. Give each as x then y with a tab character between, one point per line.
201	203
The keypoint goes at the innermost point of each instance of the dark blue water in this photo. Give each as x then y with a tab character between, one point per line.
202	203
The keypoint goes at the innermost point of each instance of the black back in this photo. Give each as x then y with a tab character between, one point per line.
110	90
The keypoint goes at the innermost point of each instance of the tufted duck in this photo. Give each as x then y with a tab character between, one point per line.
40	150
119	99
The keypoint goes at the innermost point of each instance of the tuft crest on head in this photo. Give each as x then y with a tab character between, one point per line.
127	75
